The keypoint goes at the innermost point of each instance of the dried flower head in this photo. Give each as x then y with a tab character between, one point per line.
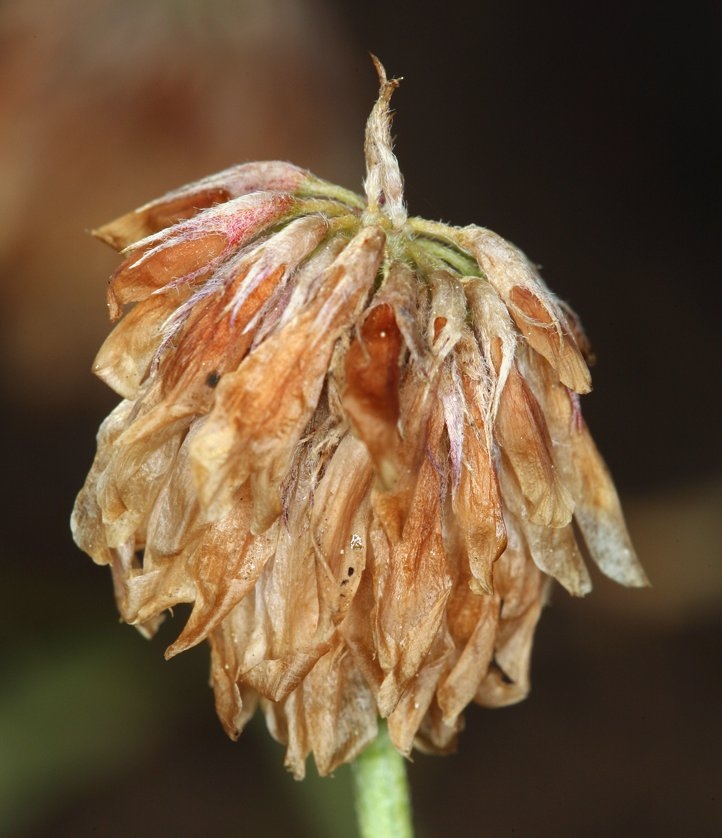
352	440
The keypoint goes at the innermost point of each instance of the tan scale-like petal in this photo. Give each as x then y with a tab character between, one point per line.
497	339
286	722
600	518
507	680
521	587
225	566
294	628
555	551
435	735
131	482
447	315
400	290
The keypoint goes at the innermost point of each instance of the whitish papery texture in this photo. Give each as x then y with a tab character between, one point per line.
352	441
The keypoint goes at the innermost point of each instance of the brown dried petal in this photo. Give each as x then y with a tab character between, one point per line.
341	715
340	521
597	510
86	522
262	409
477	501
530	302
189	200
524	440
235	701
371	394
521	587
473	622
413	595
128	487
193	247
125	356
409	712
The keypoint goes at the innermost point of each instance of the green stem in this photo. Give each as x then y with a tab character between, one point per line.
383	804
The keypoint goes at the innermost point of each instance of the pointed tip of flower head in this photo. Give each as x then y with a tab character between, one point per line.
384	184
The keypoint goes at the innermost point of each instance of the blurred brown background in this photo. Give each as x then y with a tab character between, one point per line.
589	135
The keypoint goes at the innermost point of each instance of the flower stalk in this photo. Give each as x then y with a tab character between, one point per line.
383	803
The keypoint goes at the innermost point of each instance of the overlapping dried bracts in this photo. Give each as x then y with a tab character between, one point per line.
352	441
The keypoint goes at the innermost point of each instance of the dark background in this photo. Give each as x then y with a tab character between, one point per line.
588	134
